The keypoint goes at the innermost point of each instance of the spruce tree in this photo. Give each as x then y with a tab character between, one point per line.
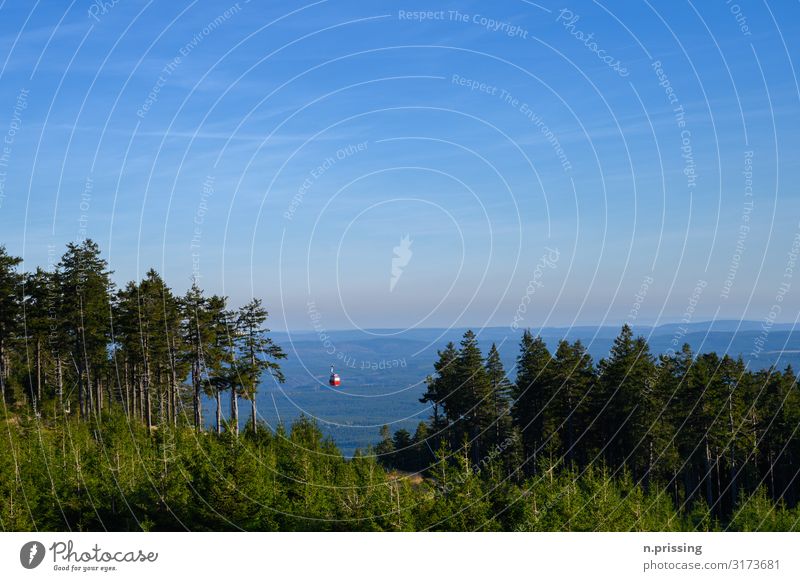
501	397
385	448
228	373
219	362
256	353
85	287
423	452
37	326
472	401
440	388
195	334
619	421
567	410
528	408
403	452
128	349
10	289
157	318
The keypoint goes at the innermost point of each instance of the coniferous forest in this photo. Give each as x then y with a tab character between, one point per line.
103	390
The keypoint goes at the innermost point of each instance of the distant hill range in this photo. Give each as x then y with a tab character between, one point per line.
383	370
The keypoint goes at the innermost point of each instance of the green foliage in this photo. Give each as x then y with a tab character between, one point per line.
103	428
678	442
10	289
256	354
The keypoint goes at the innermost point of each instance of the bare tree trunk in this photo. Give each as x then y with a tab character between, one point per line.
84	363
771	476
197	401
219	411
146	403
570	430
137	393
160	395
2	371
80	394
141	396
126	379
168	398
88	396
38	369
148	407
60	383
707	470
134	392
734	492
234	410
173	385
253	410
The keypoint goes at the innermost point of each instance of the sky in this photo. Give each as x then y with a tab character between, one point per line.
394	165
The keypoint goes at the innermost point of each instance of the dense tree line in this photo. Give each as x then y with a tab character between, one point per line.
103	427
71	344
696	428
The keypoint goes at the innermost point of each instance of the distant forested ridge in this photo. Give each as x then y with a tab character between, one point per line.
102	427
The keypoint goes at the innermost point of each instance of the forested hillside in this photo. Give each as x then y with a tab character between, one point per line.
699	428
103	388
73	344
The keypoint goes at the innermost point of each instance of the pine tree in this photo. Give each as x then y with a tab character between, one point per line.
695	439
662	397
219	362
256	353
206	332
567	410
203	327
440	389
423	453
385	448
528	408
619	420
638	395
85	284
472	401
217	357
159	319
776	441
37	326
10	289
736	441
403	452
501	395
128	353
196	334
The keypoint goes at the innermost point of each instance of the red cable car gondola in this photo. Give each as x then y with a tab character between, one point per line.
335	380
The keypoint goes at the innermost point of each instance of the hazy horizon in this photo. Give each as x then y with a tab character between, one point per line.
369	166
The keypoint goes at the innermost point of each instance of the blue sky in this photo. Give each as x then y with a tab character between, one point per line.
559	163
